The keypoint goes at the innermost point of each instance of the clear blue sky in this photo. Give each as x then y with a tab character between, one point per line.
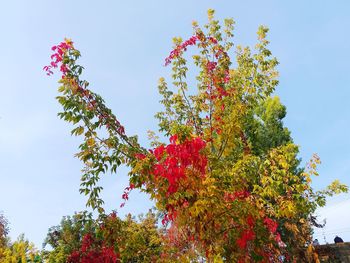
124	44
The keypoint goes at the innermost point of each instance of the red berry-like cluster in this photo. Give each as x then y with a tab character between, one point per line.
271	225
57	60
126	193
211	66
248	234
238	195
174	162
92	251
182	47
57	57
175	159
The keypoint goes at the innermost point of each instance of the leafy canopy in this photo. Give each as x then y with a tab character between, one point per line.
228	182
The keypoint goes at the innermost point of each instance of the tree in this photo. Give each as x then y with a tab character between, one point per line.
228	182
20	251
66	237
4	230
142	239
107	239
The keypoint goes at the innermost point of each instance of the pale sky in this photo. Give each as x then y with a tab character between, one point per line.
123	44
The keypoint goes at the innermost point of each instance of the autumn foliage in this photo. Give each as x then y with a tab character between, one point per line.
91	252
228	185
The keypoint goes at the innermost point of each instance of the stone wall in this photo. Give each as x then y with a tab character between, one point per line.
334	252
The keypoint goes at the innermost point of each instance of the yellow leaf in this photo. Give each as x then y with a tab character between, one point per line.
91	142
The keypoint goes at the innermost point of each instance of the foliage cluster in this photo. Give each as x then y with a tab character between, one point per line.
228	185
